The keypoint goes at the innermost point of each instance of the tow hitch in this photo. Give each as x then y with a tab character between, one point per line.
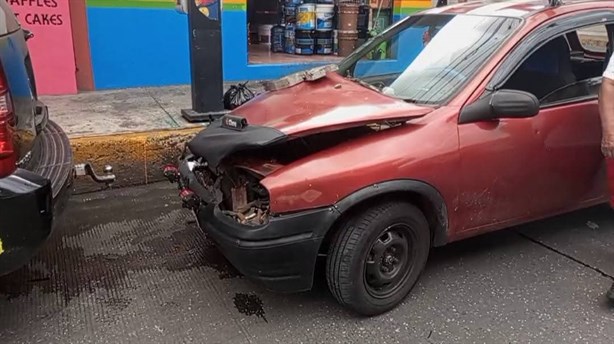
87	169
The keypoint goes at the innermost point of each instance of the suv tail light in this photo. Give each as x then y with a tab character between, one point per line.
8	156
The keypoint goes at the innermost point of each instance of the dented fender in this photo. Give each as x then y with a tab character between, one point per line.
435	202
414	151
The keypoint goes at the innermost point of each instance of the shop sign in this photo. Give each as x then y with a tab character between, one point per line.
209	8
51	49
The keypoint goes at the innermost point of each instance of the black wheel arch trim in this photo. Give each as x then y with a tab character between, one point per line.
432	195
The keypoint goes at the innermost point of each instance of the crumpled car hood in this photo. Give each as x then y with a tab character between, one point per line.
327	104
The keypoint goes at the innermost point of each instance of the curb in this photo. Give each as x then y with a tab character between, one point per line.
137	158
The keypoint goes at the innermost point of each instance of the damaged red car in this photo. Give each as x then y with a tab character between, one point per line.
493	122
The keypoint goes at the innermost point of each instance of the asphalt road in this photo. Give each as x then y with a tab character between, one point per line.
130	266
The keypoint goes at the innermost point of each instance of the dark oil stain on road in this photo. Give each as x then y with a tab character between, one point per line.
249	304
70	271
212	258
194	249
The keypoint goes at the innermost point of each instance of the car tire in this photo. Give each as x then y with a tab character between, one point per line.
376	257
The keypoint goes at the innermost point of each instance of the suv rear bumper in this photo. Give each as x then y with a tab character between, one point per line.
31	201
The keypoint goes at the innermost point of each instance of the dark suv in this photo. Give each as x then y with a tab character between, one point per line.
36	167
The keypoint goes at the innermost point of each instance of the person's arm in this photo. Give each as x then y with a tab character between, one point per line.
606	110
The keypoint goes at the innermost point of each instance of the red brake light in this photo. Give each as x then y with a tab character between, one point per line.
8	156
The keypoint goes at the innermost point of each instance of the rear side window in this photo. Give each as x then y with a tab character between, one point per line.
594	38
8	22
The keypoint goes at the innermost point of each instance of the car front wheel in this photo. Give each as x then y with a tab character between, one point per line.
376	257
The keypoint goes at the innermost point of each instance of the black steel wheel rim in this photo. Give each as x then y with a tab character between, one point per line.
389	261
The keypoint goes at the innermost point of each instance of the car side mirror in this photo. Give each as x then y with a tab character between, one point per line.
501	104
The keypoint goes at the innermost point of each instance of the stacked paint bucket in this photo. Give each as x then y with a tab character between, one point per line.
347	35
278	33
325	13
277	38
320	27
304	35
314	28
289	20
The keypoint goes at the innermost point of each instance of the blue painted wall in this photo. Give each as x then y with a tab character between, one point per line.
132	47
138	47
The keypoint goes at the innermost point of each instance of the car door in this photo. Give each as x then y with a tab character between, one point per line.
524	168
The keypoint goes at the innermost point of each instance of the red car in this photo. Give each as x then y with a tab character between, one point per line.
492	123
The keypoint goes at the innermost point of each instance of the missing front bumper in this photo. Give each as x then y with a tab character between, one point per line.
280	255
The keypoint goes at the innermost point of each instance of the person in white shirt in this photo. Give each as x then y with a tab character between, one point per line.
606	110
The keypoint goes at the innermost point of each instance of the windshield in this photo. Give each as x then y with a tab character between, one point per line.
426	59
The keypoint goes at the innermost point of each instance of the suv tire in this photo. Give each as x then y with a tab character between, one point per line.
376	257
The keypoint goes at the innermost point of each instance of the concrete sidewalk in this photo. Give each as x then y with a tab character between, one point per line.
137	130
113	112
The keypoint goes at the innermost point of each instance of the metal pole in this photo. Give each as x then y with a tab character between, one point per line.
205	29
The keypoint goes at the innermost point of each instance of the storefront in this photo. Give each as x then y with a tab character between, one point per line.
52	50
286	36
108	44
312	31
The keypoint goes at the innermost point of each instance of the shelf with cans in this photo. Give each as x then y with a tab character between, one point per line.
326	27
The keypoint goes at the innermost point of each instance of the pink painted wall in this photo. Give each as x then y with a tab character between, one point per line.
51	49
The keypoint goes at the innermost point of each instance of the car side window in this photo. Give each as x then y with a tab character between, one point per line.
563	70
593	39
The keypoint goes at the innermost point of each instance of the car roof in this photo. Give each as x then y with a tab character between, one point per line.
512	8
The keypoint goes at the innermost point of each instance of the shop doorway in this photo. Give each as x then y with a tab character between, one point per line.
297	31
